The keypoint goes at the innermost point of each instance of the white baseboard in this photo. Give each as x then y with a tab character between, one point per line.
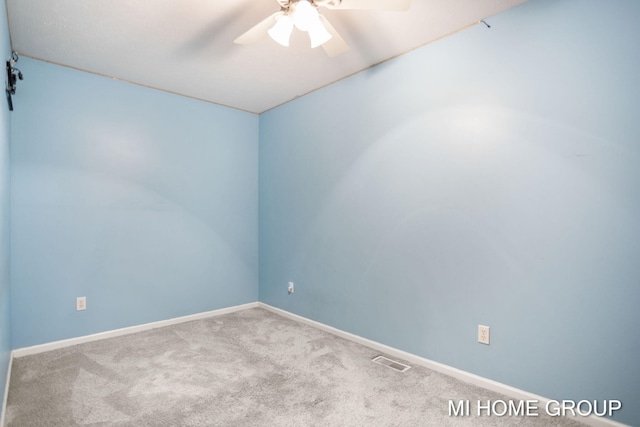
6	391
467	377
27	351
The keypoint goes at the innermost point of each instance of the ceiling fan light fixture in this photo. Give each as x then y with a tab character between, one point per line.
281	31
318	34
304	15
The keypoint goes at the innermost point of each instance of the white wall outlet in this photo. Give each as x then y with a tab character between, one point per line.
81	303
290	288
483	334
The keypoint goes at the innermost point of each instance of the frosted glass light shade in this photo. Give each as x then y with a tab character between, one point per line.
318	34
281	31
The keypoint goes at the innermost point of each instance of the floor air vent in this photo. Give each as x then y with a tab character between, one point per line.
396	366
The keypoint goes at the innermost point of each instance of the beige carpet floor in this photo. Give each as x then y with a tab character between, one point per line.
249	368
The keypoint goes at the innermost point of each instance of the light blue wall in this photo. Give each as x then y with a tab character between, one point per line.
142	201
5	211
489	178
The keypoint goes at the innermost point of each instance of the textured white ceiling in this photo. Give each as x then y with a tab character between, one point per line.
186	46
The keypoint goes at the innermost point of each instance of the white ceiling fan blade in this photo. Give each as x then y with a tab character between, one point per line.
336	44
258	31
370	4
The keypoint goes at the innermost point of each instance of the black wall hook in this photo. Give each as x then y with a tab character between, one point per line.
13	75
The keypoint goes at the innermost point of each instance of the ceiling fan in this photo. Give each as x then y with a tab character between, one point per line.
303	14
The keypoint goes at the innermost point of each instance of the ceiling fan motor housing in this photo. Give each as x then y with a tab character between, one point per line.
327	3
286	4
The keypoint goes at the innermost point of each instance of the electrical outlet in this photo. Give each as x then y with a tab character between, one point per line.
290	288
81	303
483	334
